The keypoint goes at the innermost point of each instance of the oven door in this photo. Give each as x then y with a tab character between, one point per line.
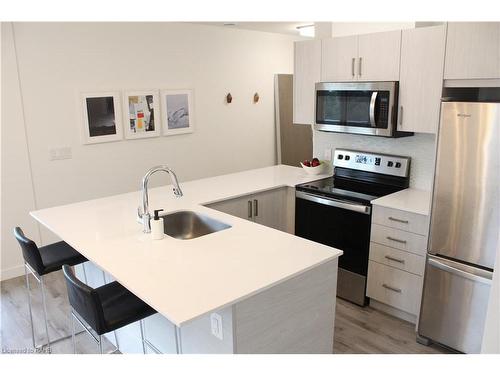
344	225
361	108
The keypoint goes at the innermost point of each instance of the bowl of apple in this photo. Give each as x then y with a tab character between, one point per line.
314	166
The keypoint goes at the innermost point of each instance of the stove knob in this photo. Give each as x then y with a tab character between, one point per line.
398	165
347	157
389	163
340	157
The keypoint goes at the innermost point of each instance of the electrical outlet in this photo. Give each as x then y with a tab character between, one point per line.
327	155
216	325
60	153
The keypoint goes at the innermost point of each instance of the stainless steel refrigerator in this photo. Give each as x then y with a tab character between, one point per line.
465	222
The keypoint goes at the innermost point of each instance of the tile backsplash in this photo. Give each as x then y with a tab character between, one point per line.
420	147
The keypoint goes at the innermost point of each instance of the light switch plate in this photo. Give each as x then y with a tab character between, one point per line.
216	325
327	155
60	153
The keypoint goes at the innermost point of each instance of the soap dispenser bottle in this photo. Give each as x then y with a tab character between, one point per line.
157	227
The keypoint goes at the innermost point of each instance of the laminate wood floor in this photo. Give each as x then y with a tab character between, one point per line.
357	330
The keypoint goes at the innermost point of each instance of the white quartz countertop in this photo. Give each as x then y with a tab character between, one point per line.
411	200
184	279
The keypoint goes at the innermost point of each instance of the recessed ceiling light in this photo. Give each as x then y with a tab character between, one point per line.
306	30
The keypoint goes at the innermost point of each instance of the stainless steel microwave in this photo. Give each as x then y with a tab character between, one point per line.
368	108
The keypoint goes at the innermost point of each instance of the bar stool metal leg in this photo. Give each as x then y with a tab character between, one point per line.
45	311
73	337
100	344
29	304
114	332
141	324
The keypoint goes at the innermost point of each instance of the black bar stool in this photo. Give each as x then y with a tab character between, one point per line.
40	261
104	309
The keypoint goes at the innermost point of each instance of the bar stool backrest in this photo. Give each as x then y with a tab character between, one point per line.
85	301
31	254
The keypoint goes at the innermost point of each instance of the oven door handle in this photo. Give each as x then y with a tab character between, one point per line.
361	208
373	101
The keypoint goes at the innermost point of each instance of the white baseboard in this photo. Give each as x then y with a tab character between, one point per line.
393	311
12	272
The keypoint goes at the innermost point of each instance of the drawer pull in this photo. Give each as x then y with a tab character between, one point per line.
395	239
395	259
397	290
398	220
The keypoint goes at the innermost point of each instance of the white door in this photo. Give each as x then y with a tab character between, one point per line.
339	59
307	71
472	50
269	208
239	207
421	81
378	56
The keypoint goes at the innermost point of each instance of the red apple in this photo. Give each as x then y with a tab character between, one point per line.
315	160
307	163
315	163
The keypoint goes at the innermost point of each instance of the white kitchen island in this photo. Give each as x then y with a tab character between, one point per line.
245	289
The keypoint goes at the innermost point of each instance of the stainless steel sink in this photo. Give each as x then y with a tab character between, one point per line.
186	225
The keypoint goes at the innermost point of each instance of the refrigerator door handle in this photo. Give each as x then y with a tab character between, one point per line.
485	277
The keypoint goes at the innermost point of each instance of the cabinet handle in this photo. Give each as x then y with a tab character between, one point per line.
401	116
353	63
249	209
397	290
360	64
256	207
395	259
398	220
395	239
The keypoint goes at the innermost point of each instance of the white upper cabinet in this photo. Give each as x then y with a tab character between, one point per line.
307	69
370	57
378	56
472	50
339	59
421	79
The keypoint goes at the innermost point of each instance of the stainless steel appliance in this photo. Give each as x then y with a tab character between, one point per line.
336	211
464	226
368	108
293	142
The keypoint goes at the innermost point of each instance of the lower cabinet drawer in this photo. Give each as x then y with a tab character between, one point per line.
403	260
394	287
411	242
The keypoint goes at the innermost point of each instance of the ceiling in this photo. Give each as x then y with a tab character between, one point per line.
289	28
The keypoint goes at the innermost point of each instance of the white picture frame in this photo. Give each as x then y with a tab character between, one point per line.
101	117
141	114
177	111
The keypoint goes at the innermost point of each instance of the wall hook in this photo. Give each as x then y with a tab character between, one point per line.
229	97
256	97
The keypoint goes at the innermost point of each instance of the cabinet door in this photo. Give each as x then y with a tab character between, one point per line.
270	208
472	50
307	71
378	56
421	81
338	59
239	207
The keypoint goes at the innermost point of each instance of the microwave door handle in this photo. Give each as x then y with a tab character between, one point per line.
373	101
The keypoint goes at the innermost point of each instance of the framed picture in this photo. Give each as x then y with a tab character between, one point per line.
101	117
141	113
177	111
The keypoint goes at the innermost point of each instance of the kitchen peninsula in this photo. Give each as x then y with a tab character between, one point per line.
248	288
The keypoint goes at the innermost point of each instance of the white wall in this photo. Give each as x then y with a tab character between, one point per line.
56	61
17	187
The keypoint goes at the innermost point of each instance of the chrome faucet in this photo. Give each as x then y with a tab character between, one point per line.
143	212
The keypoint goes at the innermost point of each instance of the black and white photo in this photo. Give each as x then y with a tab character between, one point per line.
177	111
101	117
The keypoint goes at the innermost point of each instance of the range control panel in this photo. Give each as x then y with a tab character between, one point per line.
379	163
